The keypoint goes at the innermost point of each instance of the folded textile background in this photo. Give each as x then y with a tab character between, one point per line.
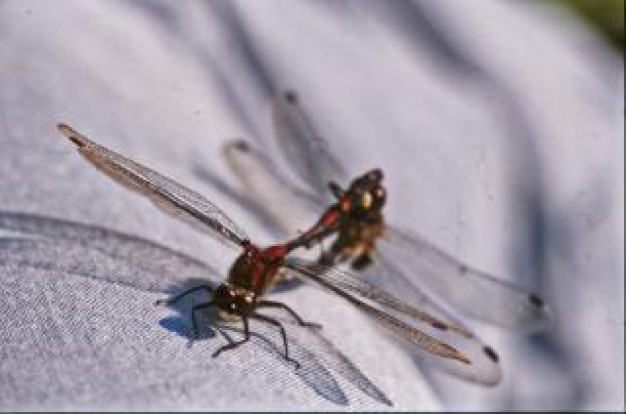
499	126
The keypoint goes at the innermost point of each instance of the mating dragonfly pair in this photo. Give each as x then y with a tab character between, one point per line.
355	220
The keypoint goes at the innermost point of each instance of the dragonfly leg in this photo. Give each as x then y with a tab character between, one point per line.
327	258
339	252
232	345
301	322
282	333
182	295
224	334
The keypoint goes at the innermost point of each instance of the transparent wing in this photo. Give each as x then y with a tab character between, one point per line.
468	290
174	199
372	292
272	194
242	198
304	150
478	363
263	182
431	270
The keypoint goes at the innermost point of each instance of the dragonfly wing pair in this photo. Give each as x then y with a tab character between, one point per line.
260	180
171	197
430	277
305	151
462	354
194	209
468	290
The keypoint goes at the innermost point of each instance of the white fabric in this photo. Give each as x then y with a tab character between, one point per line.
499	126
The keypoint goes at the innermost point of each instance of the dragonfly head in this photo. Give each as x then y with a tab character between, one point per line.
233	300
367	193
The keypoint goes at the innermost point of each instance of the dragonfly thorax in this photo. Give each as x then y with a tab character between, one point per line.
255	269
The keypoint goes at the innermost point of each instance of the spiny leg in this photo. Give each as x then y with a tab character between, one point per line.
282	333
185	293
232	345
272	304
223	333
338	253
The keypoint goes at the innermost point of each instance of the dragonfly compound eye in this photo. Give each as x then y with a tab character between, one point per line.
366	200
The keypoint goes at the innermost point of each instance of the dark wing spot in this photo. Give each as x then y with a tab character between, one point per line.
291	97
77	141
491	353
535	300
439	325
242	146
463	269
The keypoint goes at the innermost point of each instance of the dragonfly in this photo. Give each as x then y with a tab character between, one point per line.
250	277
423	272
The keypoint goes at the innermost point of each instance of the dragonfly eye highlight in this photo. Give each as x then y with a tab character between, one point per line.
366	200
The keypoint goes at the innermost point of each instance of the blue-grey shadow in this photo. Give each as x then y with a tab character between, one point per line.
81	249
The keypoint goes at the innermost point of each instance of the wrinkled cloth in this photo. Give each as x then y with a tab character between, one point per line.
499	126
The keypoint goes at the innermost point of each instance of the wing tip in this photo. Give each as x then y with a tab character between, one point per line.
238	144
71	134
536	301
453	353
491	354
290	96
542	314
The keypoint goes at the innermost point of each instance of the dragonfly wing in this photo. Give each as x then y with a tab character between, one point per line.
272	193
304	150
173	198
468	290
361	287
385	273
467	357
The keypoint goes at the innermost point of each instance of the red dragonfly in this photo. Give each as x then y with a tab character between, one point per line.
355	217
420	271
242	295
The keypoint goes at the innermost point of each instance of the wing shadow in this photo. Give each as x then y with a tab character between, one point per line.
114	257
